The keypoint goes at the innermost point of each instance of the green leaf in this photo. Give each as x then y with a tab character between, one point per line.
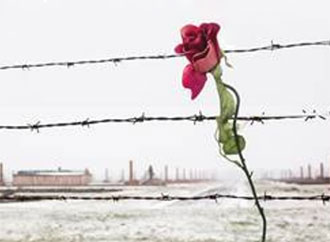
230	147
227	102
225	131
226	137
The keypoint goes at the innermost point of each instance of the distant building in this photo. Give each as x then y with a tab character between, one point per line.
52	178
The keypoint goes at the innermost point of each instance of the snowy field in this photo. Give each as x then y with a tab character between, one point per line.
226	220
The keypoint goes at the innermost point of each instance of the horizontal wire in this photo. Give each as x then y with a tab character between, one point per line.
163	197
133	120
273	46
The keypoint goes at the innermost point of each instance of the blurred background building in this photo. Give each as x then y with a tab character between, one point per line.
58	177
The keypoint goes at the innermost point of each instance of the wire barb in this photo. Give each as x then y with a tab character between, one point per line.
85	123
140	119
34	127
199	118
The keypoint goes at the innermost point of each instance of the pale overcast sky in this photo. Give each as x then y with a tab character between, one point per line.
281	82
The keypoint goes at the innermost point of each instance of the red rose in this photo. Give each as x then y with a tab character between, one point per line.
201	48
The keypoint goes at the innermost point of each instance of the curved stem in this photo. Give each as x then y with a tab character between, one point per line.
222	154
244	166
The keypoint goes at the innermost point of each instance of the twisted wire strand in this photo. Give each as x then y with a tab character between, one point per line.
164	197
272	47
140	119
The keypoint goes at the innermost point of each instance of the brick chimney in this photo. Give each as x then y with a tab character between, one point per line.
321	170
309	171
1	175
130	172
166	173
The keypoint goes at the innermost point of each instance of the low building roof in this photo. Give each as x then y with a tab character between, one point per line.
58	172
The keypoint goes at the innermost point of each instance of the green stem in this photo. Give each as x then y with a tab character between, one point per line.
244	167
229	109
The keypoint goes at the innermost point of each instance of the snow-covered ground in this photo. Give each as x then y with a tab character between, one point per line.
224	220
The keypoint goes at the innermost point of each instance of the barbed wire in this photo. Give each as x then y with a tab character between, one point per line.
140	119
273	46
164	197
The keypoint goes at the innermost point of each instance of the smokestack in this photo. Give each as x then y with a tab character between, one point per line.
130	171
302	172
321	171
166	173
309	171
1	174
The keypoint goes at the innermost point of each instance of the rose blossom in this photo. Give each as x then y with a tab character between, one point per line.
201	48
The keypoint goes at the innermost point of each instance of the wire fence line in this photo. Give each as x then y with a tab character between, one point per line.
164	197
272	47
196	118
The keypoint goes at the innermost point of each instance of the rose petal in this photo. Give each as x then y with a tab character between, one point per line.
196	44
188	31
211	30
208	59
179	49
193	80
193	38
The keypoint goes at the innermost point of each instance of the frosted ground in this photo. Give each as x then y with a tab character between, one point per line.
224	220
